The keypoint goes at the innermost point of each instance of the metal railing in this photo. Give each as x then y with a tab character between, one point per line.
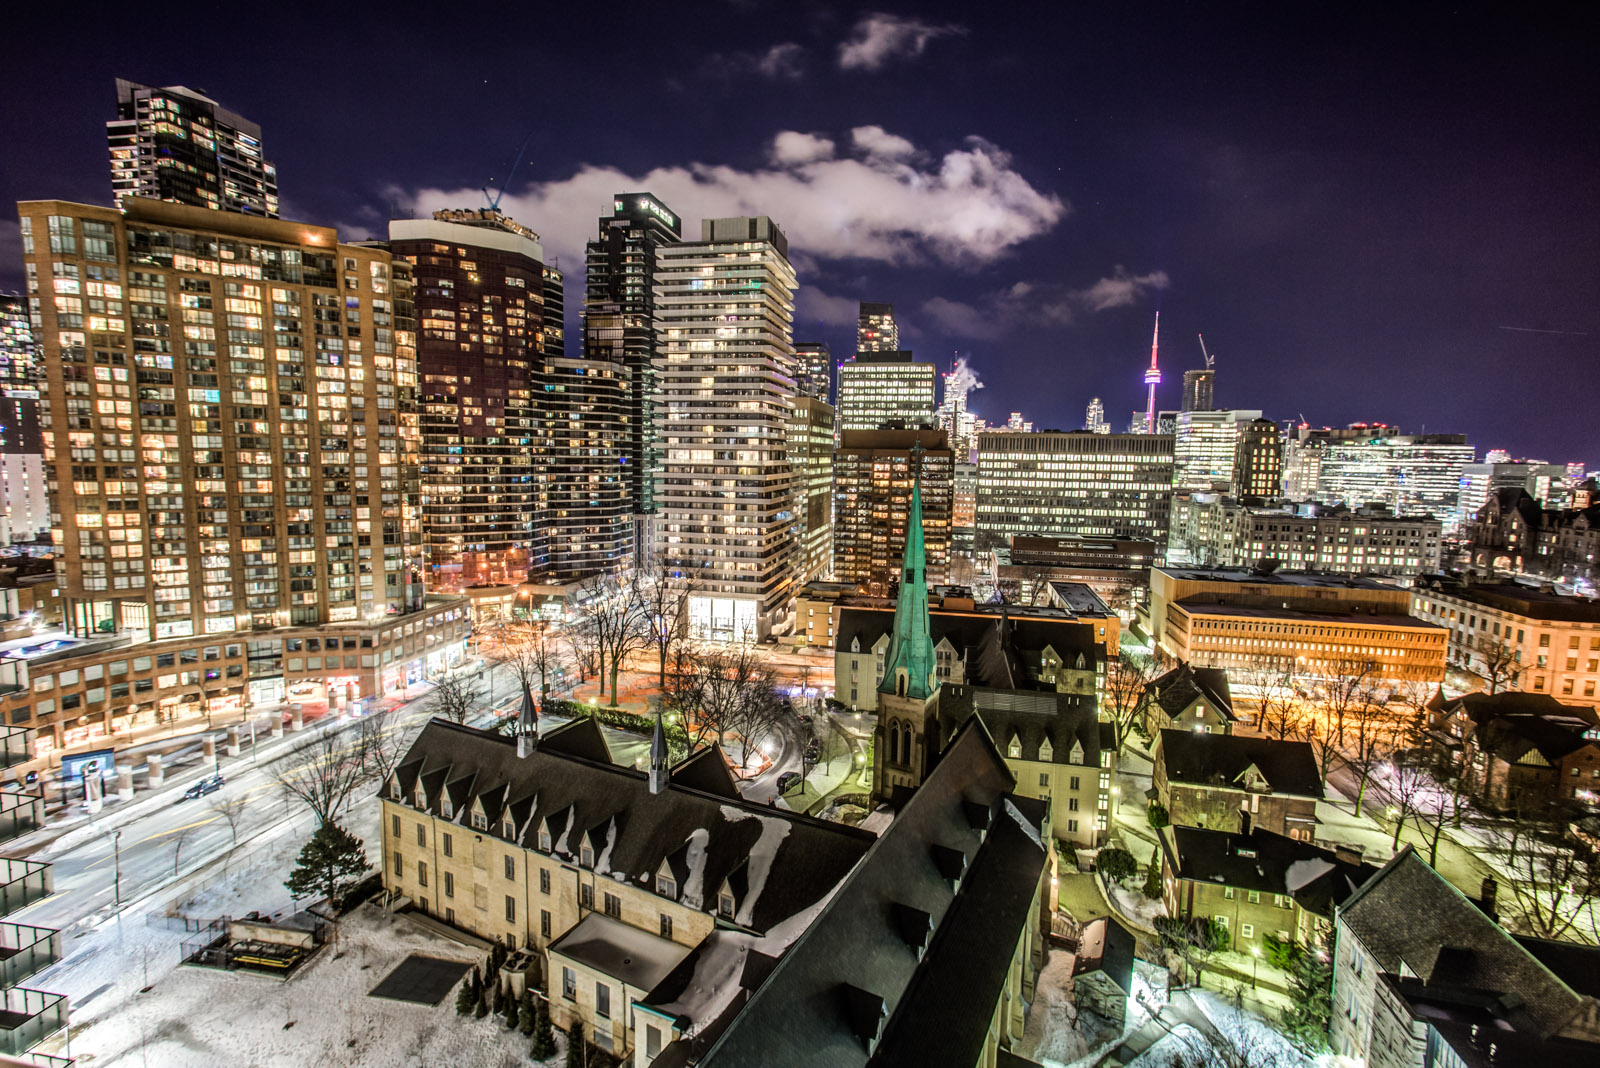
22	882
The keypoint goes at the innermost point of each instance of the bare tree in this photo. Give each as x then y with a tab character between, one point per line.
726	689
666	609
179	840
1371	742
1278	711
1347	689
617	620
455	696
1124	700
1553	880
534	658
381	743
1430	800
231	809
324	775
1497	662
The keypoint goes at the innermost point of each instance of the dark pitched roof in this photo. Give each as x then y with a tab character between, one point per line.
867	962
707	770
1196	759
1407	917
1030	716
633	832
1178	689
1513	724
998	648
1480	706
1576	965
1269	863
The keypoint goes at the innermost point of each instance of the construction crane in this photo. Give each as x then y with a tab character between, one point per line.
494	201
1210	359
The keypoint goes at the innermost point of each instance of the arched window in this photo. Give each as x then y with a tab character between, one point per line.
894	744
905	746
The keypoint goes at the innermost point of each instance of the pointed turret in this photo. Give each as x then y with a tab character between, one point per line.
527	724
909	668
658	757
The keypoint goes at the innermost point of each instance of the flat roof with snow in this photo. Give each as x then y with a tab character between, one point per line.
611	947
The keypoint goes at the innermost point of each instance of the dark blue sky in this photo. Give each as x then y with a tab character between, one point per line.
1370	215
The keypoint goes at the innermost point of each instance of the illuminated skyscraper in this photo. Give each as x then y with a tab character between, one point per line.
815	370
179	145
489	312
1055	483
726	493
620	265
876	329
877	388
1094	420
1199	390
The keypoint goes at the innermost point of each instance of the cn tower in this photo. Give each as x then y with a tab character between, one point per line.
1152	378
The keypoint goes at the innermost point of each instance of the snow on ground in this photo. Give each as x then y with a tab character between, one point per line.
1253	1036
202	1017
1134	905
1052	1036
1184	1045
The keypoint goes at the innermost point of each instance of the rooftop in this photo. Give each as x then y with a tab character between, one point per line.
1269	863
1355	615
1197	759
1408	918
776	863
611	947
1247	576
1533	602
1178	689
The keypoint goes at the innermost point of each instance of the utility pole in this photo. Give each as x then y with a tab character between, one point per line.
116	846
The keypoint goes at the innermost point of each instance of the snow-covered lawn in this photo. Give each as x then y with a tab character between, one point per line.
1052	1037
1135	906
203	1017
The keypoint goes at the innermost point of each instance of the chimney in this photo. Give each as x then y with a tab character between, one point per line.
1487	893
527	724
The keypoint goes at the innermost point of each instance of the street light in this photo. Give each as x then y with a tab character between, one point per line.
116	845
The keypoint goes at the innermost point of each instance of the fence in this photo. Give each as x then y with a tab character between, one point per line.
22	882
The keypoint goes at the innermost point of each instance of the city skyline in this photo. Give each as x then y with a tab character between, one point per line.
1403	202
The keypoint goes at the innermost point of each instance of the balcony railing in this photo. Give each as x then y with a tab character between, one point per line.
26	951
22	882
16	743
28	1017
19	813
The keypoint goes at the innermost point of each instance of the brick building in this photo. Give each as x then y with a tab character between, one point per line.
1229	782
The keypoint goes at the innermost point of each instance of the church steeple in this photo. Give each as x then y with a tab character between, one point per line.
909	666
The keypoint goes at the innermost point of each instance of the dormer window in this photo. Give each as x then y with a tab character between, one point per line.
421	799
725	905
448	810
667	886
544	839
1047	751
394	790
586	855
1014	750
508	830
480	822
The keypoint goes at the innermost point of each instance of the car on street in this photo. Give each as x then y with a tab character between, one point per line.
208	785
787	780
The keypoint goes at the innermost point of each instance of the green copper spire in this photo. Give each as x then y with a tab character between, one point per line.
909	668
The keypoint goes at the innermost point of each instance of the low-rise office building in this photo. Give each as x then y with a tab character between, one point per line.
1117	569
1530	637
1312	625
1210	530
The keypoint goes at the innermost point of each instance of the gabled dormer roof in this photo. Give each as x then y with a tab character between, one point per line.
707	770
632	831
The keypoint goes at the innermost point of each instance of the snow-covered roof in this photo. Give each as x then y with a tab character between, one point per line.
608	946
776	862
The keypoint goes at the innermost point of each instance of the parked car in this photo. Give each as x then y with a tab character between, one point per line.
786	780
208	785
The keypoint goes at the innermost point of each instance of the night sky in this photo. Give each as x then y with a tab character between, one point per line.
1369	216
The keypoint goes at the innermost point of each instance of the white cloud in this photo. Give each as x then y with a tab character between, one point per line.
881	37
876	141
790	147
781	62
812	305
785	60
1121	289
968	207
991	315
